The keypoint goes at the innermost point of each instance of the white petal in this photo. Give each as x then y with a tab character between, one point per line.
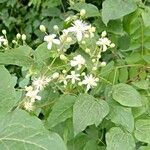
71	29
104	48
73	63
46	38
73	81
38	97
79	67
53	35
56	41
88	87
79	36
49	45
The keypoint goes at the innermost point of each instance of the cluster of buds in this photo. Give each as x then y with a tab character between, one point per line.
3	39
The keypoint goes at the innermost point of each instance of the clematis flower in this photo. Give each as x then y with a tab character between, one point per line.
104	42
79	28
78	61
50	39
73	77
40	82
89	81
2	40
28	105
33	95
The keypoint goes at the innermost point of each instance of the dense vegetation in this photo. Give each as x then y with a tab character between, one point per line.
75	75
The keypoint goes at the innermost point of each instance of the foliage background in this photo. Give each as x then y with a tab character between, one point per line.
126	126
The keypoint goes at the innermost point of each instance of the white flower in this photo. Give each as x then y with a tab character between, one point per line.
33	95
50	39
79	28
90	81
62	79
2	40
73	77
28	105
104	42
78	61
40	82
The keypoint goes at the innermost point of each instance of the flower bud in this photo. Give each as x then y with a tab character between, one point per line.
97	79
82	12
87	50
83	74
63	57
80	83
83	42
86	35
112	45
23	37
55	27
103	64
94	68
14	42
98	56
55	75
4	32
104	33
5	43
67	19
64	71
18	36
42	28
93	60
93	29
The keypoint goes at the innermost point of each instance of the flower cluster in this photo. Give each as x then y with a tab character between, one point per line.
33	90
76	72
17	41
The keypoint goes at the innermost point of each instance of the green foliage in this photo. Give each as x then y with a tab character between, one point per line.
116	9
142	130
87	111
26	132
7	91
126	95
118	139
112	112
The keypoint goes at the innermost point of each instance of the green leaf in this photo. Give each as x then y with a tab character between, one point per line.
143	84
145	16
137	111
117	139
144	147
123	74
112	10
91	145
19	56
61	110
51	3
121	116
19	130
142	132
87	111
2	1
7	91
42	53
126	95
91	10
